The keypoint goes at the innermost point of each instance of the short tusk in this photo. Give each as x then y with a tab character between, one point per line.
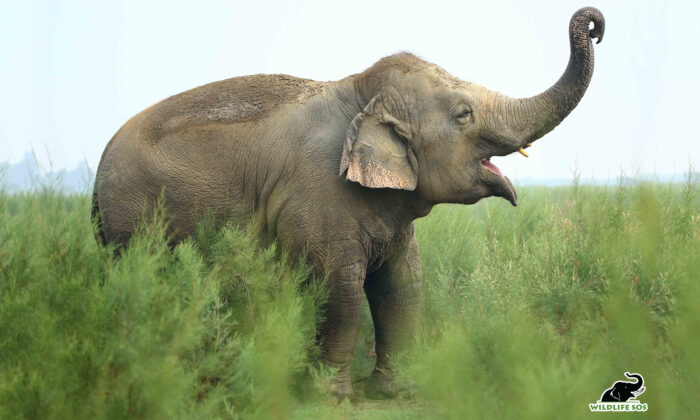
523	152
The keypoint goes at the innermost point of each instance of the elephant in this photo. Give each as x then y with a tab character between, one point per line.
622	391
336	172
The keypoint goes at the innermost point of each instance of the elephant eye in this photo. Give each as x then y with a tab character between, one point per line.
463	115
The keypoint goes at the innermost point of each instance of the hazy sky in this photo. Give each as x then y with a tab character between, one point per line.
73	72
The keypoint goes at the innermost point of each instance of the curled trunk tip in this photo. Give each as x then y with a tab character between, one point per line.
588	15
538	115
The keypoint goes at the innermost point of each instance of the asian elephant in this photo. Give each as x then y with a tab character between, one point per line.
622	391
337	171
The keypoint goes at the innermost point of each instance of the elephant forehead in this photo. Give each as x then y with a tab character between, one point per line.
432	75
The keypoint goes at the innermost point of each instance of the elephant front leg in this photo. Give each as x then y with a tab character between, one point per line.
338	333
394	294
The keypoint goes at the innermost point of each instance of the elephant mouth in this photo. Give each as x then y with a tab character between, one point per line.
498	183
486	163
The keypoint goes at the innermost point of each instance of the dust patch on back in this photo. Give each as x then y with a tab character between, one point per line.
241	99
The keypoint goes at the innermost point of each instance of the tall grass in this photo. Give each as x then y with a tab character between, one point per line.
528	313
152	334
534	313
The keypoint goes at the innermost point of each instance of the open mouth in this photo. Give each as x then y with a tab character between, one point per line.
486	163
501	186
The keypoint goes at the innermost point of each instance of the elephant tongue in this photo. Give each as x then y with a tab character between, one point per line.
491	167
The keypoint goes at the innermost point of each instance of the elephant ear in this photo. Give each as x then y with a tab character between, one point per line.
616	394
377	151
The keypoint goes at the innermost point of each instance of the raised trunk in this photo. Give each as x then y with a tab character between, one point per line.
531	118
639	379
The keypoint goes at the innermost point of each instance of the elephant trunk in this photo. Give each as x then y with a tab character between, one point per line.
640	380
529	119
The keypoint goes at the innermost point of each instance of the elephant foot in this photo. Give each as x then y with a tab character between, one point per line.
341	390
381	385
340	387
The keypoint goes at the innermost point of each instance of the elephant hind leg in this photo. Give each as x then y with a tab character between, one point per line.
97	220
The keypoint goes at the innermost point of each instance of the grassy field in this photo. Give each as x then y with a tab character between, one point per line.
528	312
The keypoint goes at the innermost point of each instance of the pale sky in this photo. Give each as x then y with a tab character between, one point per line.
72	72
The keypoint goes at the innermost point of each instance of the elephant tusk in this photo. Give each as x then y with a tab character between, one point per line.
523	152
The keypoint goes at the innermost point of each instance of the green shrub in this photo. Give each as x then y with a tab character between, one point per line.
528	313
154	333
534	312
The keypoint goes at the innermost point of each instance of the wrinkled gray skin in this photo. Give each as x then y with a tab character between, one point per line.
404	136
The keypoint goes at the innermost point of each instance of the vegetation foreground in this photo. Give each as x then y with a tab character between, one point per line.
529	312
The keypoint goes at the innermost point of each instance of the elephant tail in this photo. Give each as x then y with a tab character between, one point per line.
97	221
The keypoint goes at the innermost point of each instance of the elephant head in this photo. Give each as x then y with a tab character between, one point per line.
622	391
424	130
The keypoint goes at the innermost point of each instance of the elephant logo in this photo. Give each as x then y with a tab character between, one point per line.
622	396
621	391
